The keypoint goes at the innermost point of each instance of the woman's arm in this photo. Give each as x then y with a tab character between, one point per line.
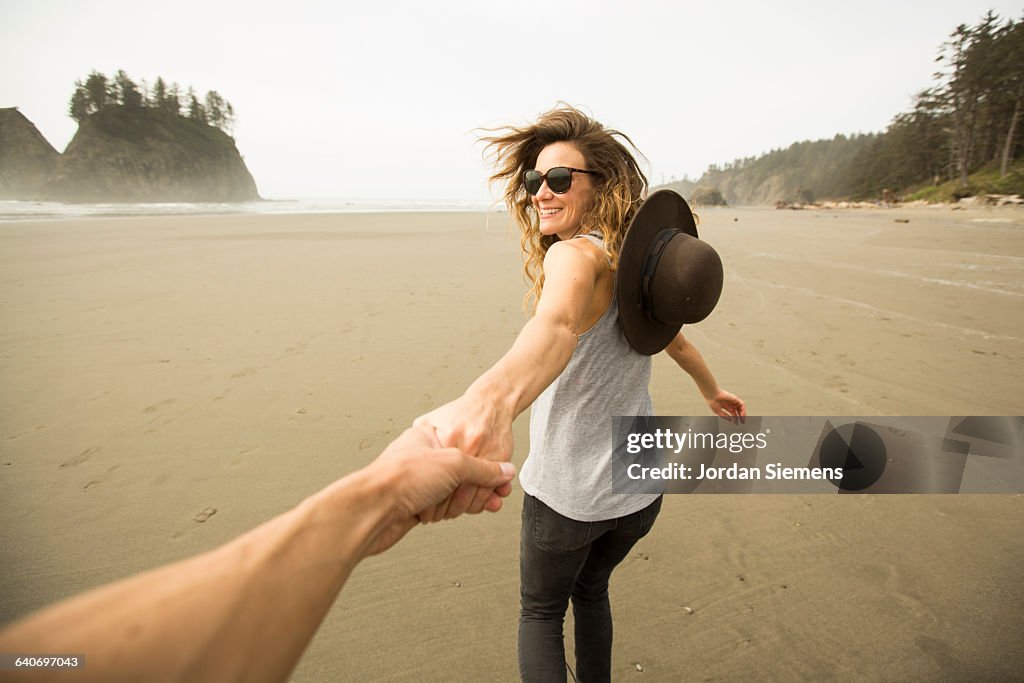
246	611
721	402
548	340
480	421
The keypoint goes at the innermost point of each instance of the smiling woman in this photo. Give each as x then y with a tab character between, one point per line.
573	188
559	202
605	185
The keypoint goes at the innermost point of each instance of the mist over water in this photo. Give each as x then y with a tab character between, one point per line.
32	210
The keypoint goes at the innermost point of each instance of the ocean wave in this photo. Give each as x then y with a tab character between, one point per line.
32	210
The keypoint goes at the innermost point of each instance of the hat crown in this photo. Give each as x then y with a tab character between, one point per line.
687	282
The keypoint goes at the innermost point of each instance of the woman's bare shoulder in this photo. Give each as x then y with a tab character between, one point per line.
573	259
579	252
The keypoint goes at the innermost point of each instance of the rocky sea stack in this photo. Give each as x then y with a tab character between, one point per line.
121	154
27	160
126	151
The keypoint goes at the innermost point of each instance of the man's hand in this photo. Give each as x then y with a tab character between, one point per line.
479	428
420	474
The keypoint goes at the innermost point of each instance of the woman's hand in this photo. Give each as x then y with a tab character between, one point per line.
480	428
419	473
728	406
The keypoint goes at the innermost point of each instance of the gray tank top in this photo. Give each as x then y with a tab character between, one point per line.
569	467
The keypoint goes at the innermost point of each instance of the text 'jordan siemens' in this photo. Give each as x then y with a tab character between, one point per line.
668	440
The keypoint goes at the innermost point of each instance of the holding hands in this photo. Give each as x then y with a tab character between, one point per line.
477	427
246	611
420	475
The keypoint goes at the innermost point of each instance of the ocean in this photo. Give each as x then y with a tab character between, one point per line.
32	210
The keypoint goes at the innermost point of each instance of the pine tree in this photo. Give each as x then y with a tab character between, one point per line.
159	94
172	103
215	109
1012	73
196	112
126	92
98	91
79	106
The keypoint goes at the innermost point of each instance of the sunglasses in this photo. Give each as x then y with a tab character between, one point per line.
559	179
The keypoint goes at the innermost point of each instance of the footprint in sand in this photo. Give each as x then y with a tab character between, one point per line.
157	406
836	382
205	515
222	395
36	428
79	459
239	457
296	349
382	436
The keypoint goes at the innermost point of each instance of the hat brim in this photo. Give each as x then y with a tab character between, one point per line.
662	209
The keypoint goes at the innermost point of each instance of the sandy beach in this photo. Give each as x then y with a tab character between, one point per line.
170	382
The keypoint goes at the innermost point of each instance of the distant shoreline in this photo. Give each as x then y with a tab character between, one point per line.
21	211
28	210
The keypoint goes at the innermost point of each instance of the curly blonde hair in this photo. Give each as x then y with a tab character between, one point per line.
619	184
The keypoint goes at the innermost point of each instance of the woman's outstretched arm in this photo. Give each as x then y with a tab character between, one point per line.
480	421
721	402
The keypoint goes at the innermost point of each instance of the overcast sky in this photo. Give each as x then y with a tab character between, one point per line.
379	100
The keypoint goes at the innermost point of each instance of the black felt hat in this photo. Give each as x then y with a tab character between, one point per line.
667	275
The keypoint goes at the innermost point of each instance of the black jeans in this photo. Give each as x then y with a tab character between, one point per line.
561	558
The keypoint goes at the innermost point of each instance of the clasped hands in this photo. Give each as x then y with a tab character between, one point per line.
482	428
421	479
478	428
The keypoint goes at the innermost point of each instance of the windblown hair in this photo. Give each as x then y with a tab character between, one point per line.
619	184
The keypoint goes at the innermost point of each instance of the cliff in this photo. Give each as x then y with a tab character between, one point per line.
802	172
26	158
125	154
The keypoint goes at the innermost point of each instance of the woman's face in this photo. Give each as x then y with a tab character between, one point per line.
560	214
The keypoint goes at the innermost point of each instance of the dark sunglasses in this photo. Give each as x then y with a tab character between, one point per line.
559	179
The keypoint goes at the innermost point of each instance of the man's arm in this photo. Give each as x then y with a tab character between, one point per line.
247	610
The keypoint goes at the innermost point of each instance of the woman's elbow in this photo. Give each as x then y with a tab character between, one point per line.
560	330
678	347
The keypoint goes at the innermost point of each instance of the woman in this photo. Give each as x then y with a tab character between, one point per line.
572	187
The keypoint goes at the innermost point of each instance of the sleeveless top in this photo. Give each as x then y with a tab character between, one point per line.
569	467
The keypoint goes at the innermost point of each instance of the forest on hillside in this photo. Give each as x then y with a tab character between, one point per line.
968	120
99	93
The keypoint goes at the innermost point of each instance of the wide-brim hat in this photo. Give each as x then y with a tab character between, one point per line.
667	276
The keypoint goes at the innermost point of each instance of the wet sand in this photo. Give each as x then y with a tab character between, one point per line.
169	382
